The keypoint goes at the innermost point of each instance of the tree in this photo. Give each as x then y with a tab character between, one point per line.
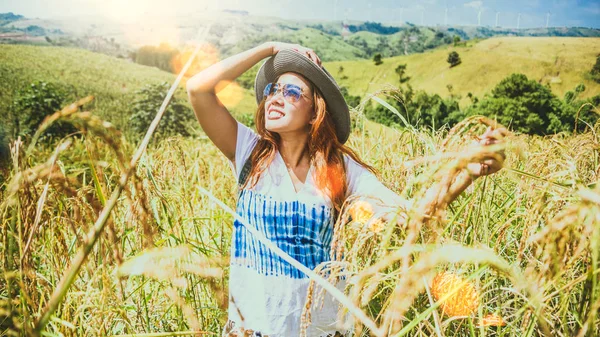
33	104
472	97
419	109
351	101
160	57
432	111
340	72
453	59
377	59
456	40
382	45
580	112
176	120
595	72
401	71
571	96
526	106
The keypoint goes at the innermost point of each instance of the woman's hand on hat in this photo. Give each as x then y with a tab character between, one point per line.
276	47
491	164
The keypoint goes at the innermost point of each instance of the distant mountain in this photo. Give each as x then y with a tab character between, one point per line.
337	40
234	11
465	32
8	17
471	32
16	29
233	31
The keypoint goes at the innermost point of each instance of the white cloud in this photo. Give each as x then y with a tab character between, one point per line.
474	4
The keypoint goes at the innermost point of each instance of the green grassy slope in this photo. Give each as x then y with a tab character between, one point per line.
563	63
328	47
111	80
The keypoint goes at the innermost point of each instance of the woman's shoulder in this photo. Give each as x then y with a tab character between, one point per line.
245	143
352	165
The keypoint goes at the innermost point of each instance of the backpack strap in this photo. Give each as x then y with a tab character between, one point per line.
245	172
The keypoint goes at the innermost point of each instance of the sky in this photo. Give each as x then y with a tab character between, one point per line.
508	13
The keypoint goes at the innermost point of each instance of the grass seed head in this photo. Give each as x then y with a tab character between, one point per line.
461	296
376	225
361	211
492	320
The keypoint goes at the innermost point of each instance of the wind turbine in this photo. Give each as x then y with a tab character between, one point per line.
497	14
346	15
519	21
446	13
335	10
345	30
479	16
422	15
401	15
547	19
446	16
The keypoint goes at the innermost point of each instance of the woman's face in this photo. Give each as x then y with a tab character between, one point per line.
282	115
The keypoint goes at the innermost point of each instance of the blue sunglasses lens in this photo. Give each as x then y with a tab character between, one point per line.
267	92
291	92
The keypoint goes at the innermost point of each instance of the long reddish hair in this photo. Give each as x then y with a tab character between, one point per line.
325	152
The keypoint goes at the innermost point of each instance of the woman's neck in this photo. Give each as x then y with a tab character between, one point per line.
294	150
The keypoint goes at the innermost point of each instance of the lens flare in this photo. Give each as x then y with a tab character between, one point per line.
206	57
463	297
229	93
361	211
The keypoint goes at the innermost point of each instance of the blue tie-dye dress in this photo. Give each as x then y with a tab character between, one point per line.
266	293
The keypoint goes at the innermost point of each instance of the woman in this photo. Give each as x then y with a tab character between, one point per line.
294	172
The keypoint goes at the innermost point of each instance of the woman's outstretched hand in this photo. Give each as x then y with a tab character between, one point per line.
491	164
276	47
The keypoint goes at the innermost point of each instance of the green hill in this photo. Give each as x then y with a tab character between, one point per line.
111	80
562	63
329	47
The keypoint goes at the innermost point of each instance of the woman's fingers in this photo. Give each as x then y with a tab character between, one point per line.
485	167
313	56
491	164
308	53
497	134
279	46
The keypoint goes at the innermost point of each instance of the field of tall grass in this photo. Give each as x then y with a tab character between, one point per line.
522	244
101	238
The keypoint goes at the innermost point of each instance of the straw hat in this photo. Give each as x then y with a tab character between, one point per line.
288	60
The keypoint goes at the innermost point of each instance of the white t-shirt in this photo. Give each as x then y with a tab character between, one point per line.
266	293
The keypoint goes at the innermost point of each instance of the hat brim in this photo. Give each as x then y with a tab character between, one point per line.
290	61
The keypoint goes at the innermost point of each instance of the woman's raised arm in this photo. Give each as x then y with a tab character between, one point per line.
202	88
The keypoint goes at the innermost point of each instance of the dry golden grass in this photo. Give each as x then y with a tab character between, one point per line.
525	241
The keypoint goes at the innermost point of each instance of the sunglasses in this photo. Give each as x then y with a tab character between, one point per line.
291	92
